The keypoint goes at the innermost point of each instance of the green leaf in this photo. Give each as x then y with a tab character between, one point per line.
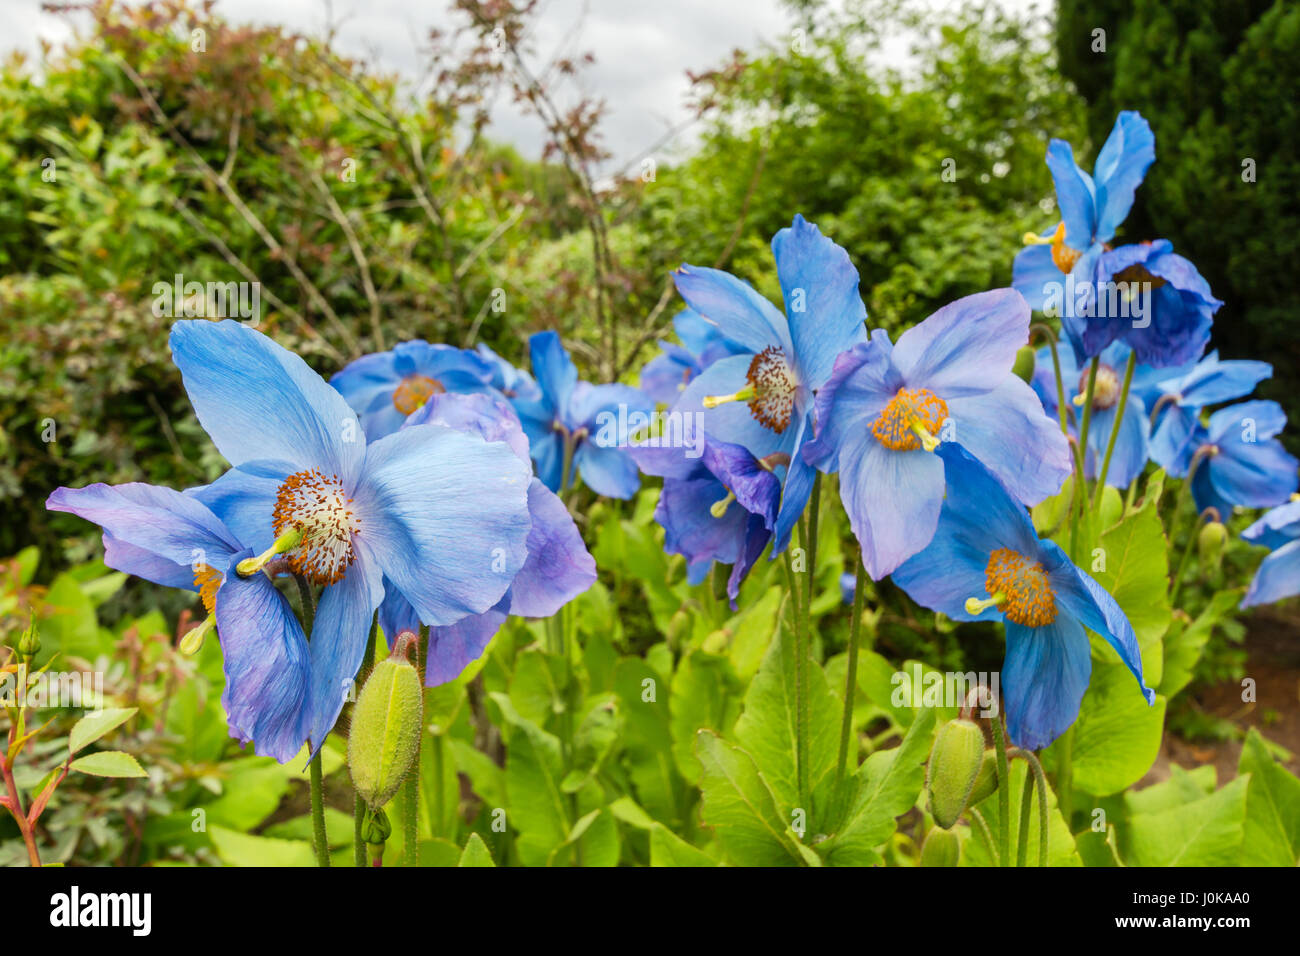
109	763
1185	641
885	787
737	803
648	741
1117	736
1205	832
705	695
476	853
244	849
1130	562
766	730
89	729
536	804
1272	808
668	849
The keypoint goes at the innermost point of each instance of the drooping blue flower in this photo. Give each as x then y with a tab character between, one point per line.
1092	208
887	407
172	539
1151	298
385	387
595	421
440	515
666	376
1278	576
761	398
1239	461
1130	454
722	510
558	567
1209	382
986	563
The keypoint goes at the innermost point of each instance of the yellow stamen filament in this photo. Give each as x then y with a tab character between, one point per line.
285	542
192	642
719	508
744	395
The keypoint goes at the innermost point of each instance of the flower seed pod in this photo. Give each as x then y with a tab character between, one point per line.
954	763
386	723
986	782
941	848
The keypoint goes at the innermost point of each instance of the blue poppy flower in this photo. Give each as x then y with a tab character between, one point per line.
172	539
1151	298
1209	382
1240	462
596	421
722	510
1132	443
665	376
887	407
986	563
385	387
441	515
1278	576
1092	208
761	398
558	567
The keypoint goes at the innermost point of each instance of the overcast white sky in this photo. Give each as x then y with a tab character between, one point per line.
643	48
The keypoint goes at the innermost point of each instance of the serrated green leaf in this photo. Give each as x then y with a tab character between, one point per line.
1272	835
736	802
1205	832
476	853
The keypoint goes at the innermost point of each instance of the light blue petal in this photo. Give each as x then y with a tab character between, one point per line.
863	382
1074	195
1008	430
1035	276
1253	474
733	307
555	372
966	346
260	402
822	304
795	491
1276	527
1120	168
611	472
731	422
446	516
267	666
1044	675
1278	577
559	567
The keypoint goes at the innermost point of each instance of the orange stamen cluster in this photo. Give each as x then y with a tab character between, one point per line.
207	579
1062	255
774	387
1027	594
896	425
317	505
1105	390
413	391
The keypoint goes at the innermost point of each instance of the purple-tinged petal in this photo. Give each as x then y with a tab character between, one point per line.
967	346
559	567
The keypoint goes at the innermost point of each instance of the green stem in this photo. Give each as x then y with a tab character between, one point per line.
814	515
801	724
988	835
411	785
1177	584
1114	428
1081	457
319	841
308	603
1040	779
358	805
851	678
1065	776
1061	410
1004	796
1026	806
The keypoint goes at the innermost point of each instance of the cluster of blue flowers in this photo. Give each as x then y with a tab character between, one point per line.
405	487
940	446
420	486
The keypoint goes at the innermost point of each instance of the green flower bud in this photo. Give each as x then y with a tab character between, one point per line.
941	848
1209	545
954	763
386	725
1024	364
376	829
29	642
986	782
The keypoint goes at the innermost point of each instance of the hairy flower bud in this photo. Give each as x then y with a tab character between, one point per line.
986	782
954	763
386	724
1209	545
941	848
